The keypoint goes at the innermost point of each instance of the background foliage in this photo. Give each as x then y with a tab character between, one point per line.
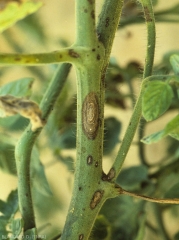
159	178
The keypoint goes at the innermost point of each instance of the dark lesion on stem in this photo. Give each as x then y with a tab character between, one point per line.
148	16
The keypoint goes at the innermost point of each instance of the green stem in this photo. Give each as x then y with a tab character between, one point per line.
90	191
25	144
135	118
85	23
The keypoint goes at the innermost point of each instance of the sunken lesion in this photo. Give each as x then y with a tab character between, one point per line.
148	16
81	236
108	177
97	196
89	160
90	115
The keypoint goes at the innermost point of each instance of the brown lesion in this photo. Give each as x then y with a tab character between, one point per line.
97	196
89	160
93	14
147	14
11	105
73	54
90	115
81	236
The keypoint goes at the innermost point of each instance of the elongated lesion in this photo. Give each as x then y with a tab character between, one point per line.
90	115
10	105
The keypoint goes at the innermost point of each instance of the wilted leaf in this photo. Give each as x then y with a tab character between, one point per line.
11	11
10	105
156	99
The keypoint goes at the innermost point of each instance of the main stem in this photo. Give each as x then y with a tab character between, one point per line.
90	191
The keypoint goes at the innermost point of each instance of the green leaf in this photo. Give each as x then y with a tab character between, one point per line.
174	60
112	131
176	237
131	178
102	229
156	99
7	160
142	226
12	203
30	234
173	192
18	88
121	212
14	123
10	207
154	137
171	129
16	227
3	231
12	11
39	180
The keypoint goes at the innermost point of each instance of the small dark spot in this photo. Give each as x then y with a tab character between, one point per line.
147	14
144	184
60	56
107	22
80	188
73	54
93	50
97	196
85	10
81	236
98	57
17	59
104	176
130	123
90	1
27	194
96	164
89	160
93	14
